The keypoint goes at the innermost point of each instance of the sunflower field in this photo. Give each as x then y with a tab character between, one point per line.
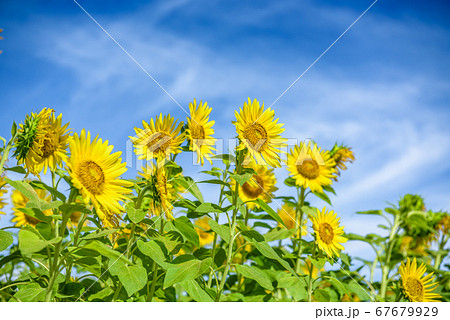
91	235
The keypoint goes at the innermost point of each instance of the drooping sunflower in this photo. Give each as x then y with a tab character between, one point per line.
96	173
416	286
202	227
310	166
328	232
3	191
29	143
287	214
165	193
159	139
341	155
260	186
199	131
55	142
259	133
20	201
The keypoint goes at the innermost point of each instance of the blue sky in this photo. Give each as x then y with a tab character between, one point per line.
382	89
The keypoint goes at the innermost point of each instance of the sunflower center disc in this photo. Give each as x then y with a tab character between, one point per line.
253	188
197	132
415	288
257	136
309	169
91	177
159	142
51	142
326	233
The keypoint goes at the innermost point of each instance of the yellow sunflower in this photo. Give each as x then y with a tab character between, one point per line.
417	287
96	173
20	201
328	232
199	131
3	191
202	227
287	214
259	133
341	155
30	140
311	167
55	143
165	192
159	139
260	186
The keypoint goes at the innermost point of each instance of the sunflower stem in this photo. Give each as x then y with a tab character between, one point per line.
385	269
5	154
299	220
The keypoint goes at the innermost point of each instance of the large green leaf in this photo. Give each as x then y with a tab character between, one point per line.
100	234
222	230
207	207
106	251
241	178
132	277
188	270
267	251
189	184
30	242
26	190
135	215
196	292
6	239
270	211
256	274
53	191
153	250
186	228
32	292
323	196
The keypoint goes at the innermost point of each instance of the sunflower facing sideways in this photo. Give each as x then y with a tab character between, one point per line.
417	287
287	214
199	131
96	173
259	133
311	167
260	186
159	139
202	227
341	155
3	191
328	232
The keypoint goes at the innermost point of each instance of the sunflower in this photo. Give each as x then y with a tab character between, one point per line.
417	287
20	201
165	193
328	232
55	143
199	131
159	139
202	227
311	167
260	186
3	191
259	133
95	172
287	214
341	155
30	140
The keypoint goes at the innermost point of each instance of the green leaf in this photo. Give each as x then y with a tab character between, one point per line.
196	292
321	295
172	240
30	242
189	184
69	208
36	213
207	207
106	251
266	250
32	292
189	270
153	250
6	239
135	215
323	196
318	263
329	189
214	181
256	274
132	277
222	230
26	190
53	191
241	178
295	286
278	234
186	228
100	234
270	211
17	169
